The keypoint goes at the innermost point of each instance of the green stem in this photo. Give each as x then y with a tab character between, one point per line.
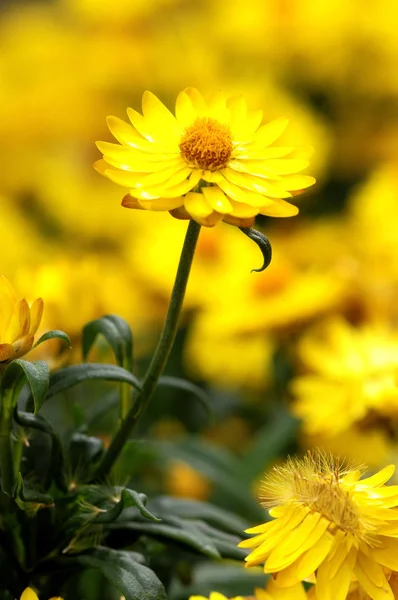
6	457
160	356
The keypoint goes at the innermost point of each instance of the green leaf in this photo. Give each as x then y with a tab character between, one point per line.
190	388
195	509
35	374
173	528
133	580
133	498
71	376
50	335
84	450
38	422
28	494
117	333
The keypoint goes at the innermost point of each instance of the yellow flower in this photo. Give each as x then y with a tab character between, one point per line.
18	322
213	161
328	521
29	594
352	370
184	482
271	592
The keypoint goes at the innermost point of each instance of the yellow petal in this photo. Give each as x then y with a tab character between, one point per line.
286	166
217	108
161	203
379	478
211	221
310	561
334	588
185	111
152	130
297	182
291	547
279	208
130	202
29	594
197	206
253	120
197	100
375	591
268	133
155	111
217	199
253	167
239	221
387	555
243	211
238	194
36	313
167	177
23	345
126	134
255	184
19	322
7	352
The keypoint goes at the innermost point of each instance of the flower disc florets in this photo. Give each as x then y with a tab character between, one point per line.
329	522
213	161
207	144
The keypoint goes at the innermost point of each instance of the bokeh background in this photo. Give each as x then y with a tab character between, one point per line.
303	354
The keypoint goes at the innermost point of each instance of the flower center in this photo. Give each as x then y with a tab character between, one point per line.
207	144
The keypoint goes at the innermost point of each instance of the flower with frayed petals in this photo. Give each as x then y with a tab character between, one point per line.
213	161
329	522
18	322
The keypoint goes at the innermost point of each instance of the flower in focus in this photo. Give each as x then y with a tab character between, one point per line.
18	322
328	521
213	161
353	370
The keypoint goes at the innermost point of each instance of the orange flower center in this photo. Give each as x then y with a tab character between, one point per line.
207	144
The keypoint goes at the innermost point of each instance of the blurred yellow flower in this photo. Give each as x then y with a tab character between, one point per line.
185	482
353	370
214	161
271	592
328	521
18	322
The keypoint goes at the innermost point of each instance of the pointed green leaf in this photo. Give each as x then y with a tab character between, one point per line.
117	333
173	528
219	517
133	498
71	376
35	374
50	335
133	580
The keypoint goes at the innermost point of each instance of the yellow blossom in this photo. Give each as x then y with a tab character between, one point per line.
271	592
29	594
213	161
18	322
185	482
353	371
327	521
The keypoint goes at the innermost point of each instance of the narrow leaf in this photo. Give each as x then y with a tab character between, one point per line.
71	376
36	375
50	335
190	388
133	580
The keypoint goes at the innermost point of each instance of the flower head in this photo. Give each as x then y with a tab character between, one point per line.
328	521
355	372
18	322
213	161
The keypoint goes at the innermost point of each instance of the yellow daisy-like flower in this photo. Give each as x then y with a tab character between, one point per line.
213	161
18	322
328	521
354	370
